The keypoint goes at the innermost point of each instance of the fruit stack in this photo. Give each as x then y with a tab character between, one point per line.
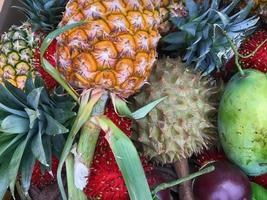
135	99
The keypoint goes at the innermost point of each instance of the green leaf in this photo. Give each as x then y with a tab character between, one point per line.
33	115
4	146
37	146
4	182
33	98
258	192
142	112
9	99
192	8
175	38
12	111
15	162
54	127
14	124
127	159
26	169
121	106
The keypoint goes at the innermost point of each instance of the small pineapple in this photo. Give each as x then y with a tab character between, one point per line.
16	52
115	50
184	122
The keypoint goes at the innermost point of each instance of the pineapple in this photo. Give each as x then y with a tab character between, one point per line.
19	46
115	50
16	52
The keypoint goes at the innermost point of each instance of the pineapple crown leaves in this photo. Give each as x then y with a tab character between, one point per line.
205	45
43	15
31	126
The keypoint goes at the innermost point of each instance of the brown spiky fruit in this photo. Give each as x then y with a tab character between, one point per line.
182	124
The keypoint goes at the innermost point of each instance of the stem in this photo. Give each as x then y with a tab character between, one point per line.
236	53
84	113
164	186
74	193
182	170
90	133
21	193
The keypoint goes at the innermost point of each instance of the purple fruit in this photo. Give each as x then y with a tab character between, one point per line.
155	178
226	182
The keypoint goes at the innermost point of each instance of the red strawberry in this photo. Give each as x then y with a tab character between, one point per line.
105	180
50	56
41	180
259	60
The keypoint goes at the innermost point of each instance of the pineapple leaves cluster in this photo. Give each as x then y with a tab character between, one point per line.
32	124
43	14
205	45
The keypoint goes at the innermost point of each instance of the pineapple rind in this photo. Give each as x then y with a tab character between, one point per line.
16	50
115	50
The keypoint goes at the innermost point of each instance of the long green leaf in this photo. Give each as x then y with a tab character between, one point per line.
4	182
142	112
48	67
127	159
27	165
14	124
15	162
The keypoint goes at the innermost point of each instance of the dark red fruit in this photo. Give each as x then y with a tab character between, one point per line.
41	180
259	60
50	56
106	181
226	182
261	180
155	178
209	156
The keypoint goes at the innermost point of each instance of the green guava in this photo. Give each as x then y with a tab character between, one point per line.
242	121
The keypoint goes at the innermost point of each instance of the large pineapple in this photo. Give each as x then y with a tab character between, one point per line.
16	52
182	124
115	50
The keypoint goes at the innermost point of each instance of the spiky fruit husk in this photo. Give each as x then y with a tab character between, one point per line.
50	56
105	180
43	15
16	52
200	36
178	126
43	179
259	59
115	50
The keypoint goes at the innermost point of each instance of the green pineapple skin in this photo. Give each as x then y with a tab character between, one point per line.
179	125
242	122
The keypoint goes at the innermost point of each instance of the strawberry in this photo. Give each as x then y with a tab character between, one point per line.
259	60
50	56
106	181
42	180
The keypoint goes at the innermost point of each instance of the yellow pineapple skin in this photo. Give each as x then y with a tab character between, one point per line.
115	50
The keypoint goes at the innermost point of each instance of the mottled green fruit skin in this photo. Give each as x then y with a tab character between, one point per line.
242	121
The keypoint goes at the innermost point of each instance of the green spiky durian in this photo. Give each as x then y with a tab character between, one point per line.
179	126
